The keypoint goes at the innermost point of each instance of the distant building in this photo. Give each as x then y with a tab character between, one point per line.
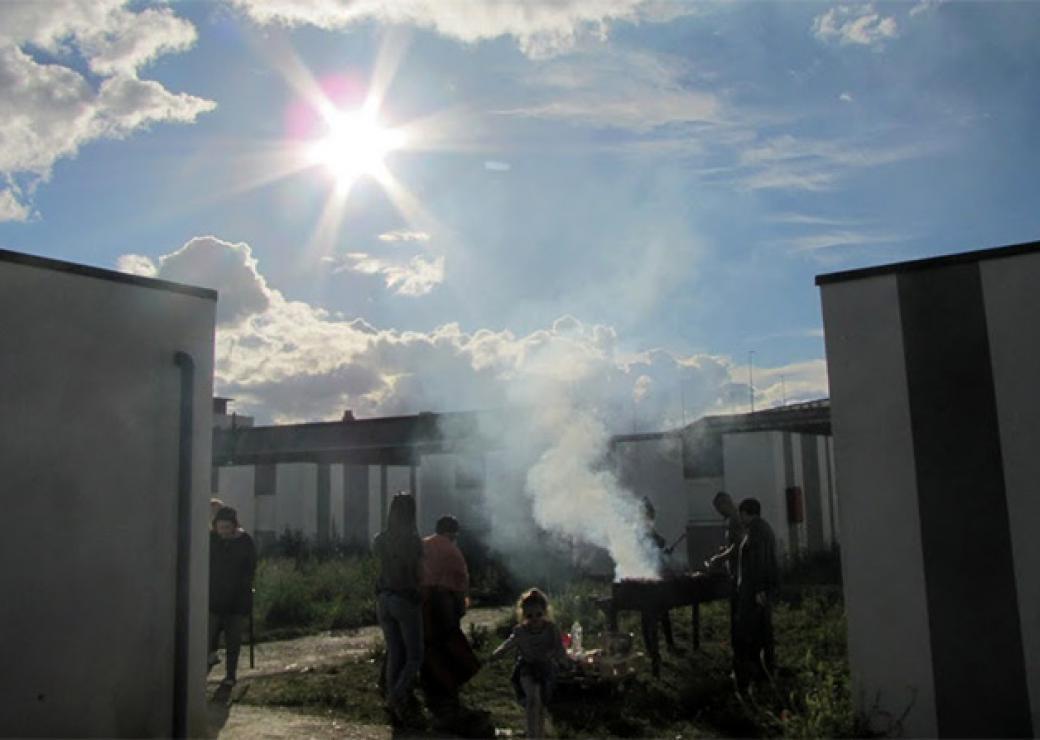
781	456
332	480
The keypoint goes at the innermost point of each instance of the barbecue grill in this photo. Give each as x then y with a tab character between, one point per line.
651	597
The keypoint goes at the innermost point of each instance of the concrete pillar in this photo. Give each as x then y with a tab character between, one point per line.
355	505
324	503
384	497
814	506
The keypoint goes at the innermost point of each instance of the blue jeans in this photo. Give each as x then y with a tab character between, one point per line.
401	621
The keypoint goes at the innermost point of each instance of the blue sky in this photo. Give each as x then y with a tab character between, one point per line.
645	188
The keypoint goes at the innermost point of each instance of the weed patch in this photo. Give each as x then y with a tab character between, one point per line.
694	697
295	597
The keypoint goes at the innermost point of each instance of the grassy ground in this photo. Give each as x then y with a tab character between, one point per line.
693	697
303	596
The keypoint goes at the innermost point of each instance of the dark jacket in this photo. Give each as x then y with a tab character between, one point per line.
232	564
758	570
734	537
400	563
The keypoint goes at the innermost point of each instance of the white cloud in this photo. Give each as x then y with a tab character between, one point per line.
924	6
137	264
637	91
289	361
788	162
403	235
541	28
415	277
495	166
11	206
840	238
793	383
210	262
806	219
49	110
641	388
859	24
845	97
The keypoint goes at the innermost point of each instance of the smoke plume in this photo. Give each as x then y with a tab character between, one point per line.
579	498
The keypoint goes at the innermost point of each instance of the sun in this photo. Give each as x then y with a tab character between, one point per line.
354	146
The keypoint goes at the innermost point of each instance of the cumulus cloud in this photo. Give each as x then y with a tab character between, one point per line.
49	110
541	28
210	262
855	24
137	264
414	277
403	235
794	383
11	206
286	360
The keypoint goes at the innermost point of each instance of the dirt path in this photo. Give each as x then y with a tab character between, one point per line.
301	655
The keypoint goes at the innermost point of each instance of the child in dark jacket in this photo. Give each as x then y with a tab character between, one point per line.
539	652
232	563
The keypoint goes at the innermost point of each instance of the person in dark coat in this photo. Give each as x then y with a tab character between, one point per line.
232	564
757	580
726	557
399	551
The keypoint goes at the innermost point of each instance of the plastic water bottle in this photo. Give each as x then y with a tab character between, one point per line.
576	638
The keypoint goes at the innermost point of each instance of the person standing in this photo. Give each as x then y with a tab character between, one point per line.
757	580
232	565
726	557
399	551
444	567
649	618
448	660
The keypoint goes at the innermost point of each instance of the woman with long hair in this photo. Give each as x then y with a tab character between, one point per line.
399	550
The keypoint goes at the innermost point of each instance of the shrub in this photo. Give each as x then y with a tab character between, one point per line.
312	595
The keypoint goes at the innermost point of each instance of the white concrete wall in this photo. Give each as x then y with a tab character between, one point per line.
375	504
336	502
437	489
236	490
827	491
702	493
877	509
1012	308
754	467
89	447
296	504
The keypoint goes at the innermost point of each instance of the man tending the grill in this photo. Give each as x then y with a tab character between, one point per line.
757	578
726	557
652	617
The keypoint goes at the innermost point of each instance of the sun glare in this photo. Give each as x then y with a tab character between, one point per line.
355	146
